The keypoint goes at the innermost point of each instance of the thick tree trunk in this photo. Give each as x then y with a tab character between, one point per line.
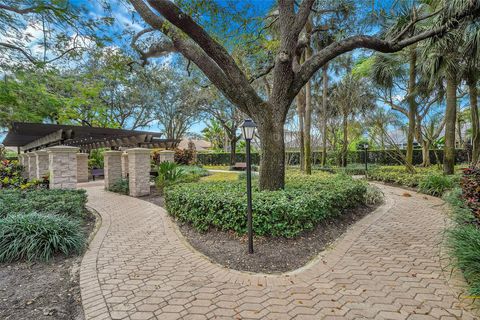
233	151
473	92
419	138
272	154
345	141
459	139
426	153
412	105
308	125
324	114
450	120
301	128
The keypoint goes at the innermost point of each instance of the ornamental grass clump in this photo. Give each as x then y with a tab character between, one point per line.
437	184
35	236
304	202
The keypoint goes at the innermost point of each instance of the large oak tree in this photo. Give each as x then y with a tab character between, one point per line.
189	38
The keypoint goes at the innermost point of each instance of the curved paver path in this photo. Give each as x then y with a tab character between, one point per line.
387	266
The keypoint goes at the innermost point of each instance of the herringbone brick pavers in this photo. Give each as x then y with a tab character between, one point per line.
387	266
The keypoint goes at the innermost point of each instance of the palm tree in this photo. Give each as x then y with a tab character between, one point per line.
351	96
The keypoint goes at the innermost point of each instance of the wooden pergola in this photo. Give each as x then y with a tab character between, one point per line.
35	136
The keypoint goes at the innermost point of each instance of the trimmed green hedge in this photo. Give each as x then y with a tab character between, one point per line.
304	202
58	202
374	157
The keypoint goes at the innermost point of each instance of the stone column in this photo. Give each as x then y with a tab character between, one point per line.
42	169
167	155
124	165
22	160
112	167
139	171
32	166
63	167
82	167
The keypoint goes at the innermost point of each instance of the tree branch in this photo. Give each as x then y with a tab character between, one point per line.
34	9
302	16
237	90
212	48
335	49
22	51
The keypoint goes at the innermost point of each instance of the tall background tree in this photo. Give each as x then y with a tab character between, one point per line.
219	66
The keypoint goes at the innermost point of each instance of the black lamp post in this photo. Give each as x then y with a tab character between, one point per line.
365	146
248	130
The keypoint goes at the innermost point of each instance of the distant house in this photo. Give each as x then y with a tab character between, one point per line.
200	145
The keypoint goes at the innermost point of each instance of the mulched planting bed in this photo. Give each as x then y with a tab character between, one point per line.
272	255
41	291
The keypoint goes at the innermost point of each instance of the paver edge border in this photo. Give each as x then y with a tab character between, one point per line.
341	244
93	301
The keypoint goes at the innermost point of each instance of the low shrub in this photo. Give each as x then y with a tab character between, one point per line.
464	239
184	156
304	202
195	170
170	173
428	180
57	202
354	169
373	195
36	236
436	184
396	174
121	186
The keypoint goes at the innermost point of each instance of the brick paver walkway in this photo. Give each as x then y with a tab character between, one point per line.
387	266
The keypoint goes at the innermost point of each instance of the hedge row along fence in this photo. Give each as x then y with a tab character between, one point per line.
375	156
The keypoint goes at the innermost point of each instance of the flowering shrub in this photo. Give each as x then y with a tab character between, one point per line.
11	174
11	177
470	183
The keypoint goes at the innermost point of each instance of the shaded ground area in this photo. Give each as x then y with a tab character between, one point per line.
41	291
272	255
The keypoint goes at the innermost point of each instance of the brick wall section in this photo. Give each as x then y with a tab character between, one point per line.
32	166
167	155
82	167
42	169
139	171
125	165
112	167
63	167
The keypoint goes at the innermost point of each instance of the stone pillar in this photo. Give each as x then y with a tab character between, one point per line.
32	166
82	167
124	165
112	167
63	167
22	160
167	155
42	169
139	171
